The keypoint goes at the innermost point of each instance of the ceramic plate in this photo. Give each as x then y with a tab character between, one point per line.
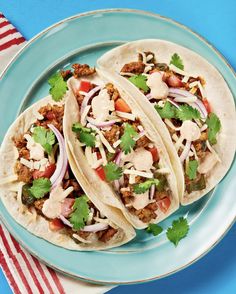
84	38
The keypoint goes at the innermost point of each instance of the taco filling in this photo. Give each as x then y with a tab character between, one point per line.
180	100
117	146
49	188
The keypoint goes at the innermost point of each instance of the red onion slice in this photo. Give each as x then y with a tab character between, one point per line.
95	228
149	96
201	108
88	96
172	102
180	92
65	221
62	162
118	157
186	151
152	191
102	124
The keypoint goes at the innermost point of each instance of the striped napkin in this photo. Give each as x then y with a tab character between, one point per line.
25	274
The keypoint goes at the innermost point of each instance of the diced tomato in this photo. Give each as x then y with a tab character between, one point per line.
174	81
49	170
154	152
101	173
165	77
99	156
66	206
85	86
164	204
56	224
207	105
121	105
50	115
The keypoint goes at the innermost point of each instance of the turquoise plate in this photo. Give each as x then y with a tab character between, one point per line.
83	38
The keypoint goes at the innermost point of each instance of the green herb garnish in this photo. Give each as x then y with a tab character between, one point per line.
44	137
58	86
86	135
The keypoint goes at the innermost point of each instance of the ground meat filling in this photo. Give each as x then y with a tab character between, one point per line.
136	67
82	70
112	91
24	173
52	115
113	134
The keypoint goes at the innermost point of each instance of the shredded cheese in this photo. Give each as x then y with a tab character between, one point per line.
97	163
103	154
185	79
194	151
170	124
104	140
164	170
129	116
37	115
84	115
203	128
181	72
88	155
81	239
116	144
27	163
138	173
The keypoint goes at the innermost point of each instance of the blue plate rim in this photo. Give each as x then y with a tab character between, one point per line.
134	11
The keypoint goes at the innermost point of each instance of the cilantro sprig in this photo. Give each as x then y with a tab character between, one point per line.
177	61
80	213
58	86
127	139
178	231
187	112
145	186
86	135
191	170
168	111
40	187
154	229
112	171
44	137
140	81
214	126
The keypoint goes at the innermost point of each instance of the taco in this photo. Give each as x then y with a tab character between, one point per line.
118	149
43	190
190	105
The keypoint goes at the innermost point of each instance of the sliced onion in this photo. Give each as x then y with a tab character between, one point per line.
62	162
102	124
186	151
88	96
121	181
118	157
180	92
95	228
152	191
65	221
201	108
172	102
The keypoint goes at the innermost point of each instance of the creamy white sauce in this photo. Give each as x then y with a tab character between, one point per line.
159	89
190	131
142	159
52	206
101	105
36	150
140	200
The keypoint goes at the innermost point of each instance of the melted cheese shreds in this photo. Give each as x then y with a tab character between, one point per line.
103	154
97	163
88	155
84	115
8	179
194	152
27	163
116	144
104	141
138	173
170	124
77	237
164	170
185	79
181	72
129	116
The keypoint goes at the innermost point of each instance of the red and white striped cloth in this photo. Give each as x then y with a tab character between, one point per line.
25	274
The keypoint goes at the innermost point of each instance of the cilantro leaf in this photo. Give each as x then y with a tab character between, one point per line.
191	170
140	81
168	111
154	229
81	212
86	135
44	137
178	231
58	86
127	139
187	112
214	127
40	187
145	186
177	61
112	171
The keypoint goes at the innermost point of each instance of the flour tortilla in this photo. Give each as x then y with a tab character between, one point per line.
39	225
217	93
104	191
